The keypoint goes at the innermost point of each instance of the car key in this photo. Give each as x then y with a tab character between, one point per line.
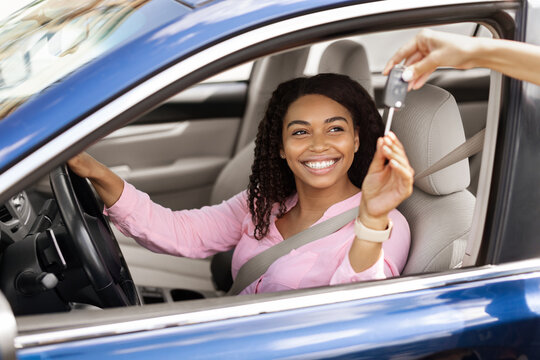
394	94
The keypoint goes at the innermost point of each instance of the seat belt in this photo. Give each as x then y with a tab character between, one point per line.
472	146
259	264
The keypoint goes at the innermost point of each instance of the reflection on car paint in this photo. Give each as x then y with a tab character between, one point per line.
46	40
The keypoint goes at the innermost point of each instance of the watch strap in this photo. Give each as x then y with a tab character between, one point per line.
362	232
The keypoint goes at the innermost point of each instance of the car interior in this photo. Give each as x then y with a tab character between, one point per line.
196	149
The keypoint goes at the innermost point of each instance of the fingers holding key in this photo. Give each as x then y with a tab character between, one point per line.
393	149
395	152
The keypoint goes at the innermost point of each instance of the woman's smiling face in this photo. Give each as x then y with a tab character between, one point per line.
319	141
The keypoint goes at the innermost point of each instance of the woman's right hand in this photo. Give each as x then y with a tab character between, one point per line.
83	165
108	185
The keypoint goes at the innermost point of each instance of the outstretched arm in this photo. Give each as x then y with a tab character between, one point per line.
108	185
430	49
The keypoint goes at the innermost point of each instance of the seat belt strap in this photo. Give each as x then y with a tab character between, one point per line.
472	146
259	264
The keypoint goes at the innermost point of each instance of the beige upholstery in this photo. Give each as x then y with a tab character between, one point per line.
234	177
349	58
440	209
431	126
266	75
439	230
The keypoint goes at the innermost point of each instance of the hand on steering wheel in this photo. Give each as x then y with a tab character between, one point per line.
93	239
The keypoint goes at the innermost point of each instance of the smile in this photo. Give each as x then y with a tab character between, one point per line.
319	164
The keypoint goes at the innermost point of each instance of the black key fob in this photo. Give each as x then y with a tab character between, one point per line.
395	89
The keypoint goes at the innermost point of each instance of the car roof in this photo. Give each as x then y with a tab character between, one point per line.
106	77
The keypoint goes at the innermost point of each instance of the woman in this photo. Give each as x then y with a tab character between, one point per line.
318	144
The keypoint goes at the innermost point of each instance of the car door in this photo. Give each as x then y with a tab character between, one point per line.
484	313
480	312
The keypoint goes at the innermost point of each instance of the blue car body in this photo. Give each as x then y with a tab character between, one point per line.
487	312
488	317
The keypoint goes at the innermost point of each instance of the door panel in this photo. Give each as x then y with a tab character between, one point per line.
174	162
202	101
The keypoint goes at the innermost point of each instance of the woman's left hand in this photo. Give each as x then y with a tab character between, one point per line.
386	184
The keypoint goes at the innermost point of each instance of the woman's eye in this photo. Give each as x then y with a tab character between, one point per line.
336	129
299	132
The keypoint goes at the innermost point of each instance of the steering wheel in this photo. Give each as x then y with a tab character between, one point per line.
93	240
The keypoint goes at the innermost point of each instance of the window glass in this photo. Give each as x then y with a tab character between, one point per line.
7	8
44	41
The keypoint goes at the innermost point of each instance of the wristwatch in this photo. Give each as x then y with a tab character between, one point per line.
364	233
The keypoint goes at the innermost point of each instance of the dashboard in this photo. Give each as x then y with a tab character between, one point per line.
16	218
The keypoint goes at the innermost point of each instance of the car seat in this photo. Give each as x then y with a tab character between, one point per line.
440	209
266	75
349	58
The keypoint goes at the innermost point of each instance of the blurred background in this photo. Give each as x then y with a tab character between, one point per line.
9	7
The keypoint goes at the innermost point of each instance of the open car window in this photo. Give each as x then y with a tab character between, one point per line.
161	144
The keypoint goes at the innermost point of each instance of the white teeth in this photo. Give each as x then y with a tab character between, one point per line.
320	164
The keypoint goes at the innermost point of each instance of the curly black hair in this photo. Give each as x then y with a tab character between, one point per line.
271	180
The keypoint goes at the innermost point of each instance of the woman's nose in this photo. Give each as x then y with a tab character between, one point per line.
319	143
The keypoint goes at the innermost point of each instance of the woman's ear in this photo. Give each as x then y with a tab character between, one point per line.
282	153
356	141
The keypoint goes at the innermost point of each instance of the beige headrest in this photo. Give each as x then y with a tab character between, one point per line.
430	126
267	74
349	58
